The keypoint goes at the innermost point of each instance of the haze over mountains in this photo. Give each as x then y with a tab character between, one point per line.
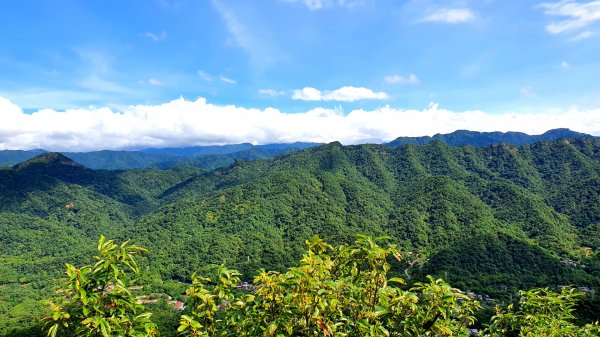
210	157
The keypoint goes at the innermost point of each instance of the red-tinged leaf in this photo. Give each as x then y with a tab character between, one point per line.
323	326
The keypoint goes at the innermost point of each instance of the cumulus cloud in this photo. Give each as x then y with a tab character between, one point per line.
184	122
450	15
343	94
576	14
398	79
307	94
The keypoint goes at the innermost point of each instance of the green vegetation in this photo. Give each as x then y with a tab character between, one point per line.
340	291
343	291
489	220
99	301
540	312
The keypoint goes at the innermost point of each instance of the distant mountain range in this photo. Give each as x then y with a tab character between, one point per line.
210	157
479	139
206	157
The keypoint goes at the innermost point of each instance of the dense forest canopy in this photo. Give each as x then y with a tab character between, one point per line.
489	220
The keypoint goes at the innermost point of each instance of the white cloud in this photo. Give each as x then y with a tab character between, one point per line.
450	15
227	80
350	94
565	65
344	94
183	123
271	92
581	36
307	94
156	37
577	14
315	5
398	79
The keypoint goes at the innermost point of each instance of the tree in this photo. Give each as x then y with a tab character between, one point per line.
340	291
543	313
98	300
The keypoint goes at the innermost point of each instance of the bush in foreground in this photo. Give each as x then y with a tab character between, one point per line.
335	291
341	291
98	300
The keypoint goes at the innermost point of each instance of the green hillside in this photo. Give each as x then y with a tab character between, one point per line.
486	219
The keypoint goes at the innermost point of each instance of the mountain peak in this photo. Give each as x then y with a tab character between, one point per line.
565	133
48	159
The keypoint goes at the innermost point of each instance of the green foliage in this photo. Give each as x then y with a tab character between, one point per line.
540	313
481	218
98	300
342	291
488	263
21	309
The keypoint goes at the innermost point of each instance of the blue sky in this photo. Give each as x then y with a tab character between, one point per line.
509	59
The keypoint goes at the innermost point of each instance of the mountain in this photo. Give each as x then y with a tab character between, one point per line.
207	157
211	157
474	138
485	218
12	157
196	151
425	197
47	160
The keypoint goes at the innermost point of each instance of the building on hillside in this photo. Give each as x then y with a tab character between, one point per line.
179	305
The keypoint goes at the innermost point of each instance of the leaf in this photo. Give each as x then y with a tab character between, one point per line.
397	280
272	328
104	328
52	331
182	327
144	315
101	242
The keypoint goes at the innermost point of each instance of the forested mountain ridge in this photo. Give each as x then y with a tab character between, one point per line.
474	138
426	197
483	218
206	157
211	157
